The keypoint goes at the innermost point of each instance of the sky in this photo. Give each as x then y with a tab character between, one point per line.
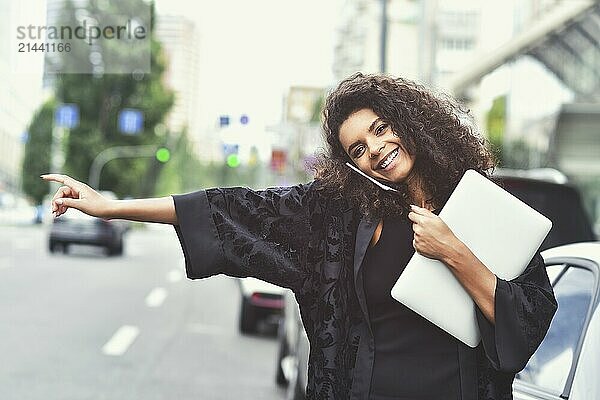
251	52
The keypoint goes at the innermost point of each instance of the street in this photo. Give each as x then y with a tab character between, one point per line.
87	326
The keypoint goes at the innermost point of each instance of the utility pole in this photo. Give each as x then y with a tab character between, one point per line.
117	152
383	42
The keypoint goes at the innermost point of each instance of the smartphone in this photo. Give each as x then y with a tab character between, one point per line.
375	181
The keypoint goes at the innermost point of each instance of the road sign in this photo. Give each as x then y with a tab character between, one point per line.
130	121
229	148
278	160
66	116
223	121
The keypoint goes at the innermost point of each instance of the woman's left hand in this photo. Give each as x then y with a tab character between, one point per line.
432	237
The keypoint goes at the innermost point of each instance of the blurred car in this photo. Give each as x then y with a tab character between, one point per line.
566	364
76	227
292	356
261	302
547	191
16	210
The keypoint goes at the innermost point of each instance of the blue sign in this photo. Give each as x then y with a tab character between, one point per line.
244	119
131	121
223	120
66	116
230	148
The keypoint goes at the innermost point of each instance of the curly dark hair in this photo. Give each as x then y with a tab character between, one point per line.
432	126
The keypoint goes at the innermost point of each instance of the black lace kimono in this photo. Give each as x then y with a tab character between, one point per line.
295	237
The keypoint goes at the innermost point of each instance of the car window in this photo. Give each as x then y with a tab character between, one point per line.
550	365
554	271
561	204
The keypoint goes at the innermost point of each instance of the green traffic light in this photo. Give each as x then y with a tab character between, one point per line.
163	155
233	161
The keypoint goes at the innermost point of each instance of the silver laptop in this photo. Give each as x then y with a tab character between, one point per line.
502	231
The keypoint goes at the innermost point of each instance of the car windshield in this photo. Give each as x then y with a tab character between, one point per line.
560	203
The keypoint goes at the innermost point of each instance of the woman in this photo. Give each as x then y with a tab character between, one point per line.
339	242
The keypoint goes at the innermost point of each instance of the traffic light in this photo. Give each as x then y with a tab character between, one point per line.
163	154
230	151
233	161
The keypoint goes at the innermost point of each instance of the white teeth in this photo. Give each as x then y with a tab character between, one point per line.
389	159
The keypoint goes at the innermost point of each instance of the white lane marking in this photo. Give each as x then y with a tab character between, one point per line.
174	275
209	330
156	297
121	340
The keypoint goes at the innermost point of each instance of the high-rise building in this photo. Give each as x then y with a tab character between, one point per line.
179	41
455	41
54	12
425	40
20	95
359	40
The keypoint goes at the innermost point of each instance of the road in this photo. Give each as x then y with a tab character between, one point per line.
85	326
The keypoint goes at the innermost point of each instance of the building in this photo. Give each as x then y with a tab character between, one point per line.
179	41
19	97
359	38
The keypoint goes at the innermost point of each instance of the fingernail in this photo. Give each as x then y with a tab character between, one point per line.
59	202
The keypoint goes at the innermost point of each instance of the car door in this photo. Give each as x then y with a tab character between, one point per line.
550	371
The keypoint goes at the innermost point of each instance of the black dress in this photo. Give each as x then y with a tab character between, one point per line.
414	359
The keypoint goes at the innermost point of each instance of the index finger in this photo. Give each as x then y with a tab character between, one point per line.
64	179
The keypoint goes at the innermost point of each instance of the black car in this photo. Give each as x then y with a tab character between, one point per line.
75	227
545	190
554	198
262	304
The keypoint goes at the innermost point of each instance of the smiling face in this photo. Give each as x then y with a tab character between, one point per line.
370	143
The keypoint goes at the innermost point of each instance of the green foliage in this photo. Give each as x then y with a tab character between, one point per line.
100	98
317	109
36	160
495	126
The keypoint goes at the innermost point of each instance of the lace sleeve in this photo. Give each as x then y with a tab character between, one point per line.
243	232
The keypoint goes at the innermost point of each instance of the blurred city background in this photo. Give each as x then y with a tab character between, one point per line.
234	98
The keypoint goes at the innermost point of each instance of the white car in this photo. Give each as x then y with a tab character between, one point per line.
16	210
567	363
261	302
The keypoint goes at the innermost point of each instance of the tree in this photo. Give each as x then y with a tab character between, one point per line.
496	125
35	159
100	97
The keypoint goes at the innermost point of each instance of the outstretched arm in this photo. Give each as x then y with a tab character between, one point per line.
78	195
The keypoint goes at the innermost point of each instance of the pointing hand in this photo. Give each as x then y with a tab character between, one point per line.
78	195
